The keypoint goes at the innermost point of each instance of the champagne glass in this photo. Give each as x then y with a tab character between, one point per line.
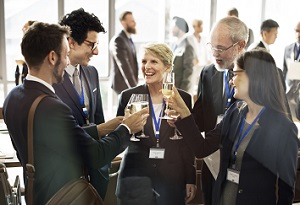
168	83
139	102
129	107
175	115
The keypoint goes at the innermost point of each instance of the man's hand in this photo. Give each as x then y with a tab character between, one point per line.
136	121
109	126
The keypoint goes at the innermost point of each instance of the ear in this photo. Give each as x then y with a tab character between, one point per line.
169	69
52	58
242	45
71	42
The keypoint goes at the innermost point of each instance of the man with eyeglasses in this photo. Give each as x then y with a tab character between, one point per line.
80	89
228	39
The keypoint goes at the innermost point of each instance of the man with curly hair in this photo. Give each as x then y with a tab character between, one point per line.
80	89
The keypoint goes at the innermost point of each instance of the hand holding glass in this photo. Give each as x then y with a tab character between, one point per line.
168	84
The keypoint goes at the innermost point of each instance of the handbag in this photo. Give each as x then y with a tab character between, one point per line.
76	192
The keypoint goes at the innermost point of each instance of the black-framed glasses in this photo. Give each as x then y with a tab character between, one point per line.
93	45
233	73
220	50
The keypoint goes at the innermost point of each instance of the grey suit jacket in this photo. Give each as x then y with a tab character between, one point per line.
61	146
124	73
183	64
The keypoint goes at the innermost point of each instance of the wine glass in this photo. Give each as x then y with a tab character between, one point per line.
129	107
168	83
175	115
139	102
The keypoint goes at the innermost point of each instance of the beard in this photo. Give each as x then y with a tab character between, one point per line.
58	77
131	30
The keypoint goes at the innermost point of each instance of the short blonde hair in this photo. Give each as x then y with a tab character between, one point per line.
161	51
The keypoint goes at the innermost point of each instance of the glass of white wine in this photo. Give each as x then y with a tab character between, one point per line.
129	107
168	83
139	101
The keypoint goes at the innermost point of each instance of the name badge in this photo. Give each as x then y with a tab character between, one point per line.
233	175
157	153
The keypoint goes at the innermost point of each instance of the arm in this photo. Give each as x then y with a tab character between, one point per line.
287	166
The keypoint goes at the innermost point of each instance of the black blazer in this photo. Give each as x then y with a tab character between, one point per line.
67	93
170	175
61	146
125	67
210	102
271	152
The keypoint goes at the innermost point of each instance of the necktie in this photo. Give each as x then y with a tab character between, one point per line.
132	44
76	81
297	53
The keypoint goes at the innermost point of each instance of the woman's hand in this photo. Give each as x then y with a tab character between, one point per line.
177	103
190	192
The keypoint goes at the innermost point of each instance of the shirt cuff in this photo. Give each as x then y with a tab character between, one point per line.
129	130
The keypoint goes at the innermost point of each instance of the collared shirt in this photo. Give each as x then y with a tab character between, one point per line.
266	45
36	79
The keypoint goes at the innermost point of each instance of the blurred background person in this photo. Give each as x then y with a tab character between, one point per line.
291	55
20	62
183	54
172	176
202	53
257	140
234	12
124	73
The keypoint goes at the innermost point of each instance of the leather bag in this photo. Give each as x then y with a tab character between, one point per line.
76	192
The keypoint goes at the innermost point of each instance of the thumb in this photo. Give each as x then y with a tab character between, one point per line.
127	113
175	92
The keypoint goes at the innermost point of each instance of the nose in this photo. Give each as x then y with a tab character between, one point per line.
95	51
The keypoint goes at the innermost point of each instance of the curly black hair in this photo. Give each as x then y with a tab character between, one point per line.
81	22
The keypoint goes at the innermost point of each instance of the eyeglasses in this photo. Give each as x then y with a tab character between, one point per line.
233	73
220	50
93	45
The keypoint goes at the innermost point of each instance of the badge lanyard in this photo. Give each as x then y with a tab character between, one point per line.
227	89
81	100
156	122
242	136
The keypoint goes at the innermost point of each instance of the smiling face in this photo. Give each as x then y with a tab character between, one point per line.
220	39
82	54
153	69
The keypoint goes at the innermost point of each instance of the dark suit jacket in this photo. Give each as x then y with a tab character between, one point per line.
183	64
169	175
67	93
271	152
125	70
210	102
61	146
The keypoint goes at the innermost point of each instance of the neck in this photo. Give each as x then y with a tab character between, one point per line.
43	75
155	93
253	111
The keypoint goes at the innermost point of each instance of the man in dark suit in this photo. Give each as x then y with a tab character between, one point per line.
125	70
292	53
61	147
87	104
215	93
184	55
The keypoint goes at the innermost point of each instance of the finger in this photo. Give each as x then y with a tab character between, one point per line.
175	91
127	113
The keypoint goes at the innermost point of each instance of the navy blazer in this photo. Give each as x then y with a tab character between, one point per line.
61	146
272	152
170	175
125	69
67	93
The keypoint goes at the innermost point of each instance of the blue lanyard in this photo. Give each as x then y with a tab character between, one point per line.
81	100
242	136
156	122
227	90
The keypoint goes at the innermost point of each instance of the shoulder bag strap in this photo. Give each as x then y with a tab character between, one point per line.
30	165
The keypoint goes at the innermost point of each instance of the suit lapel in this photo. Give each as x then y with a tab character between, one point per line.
217	93
69	89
